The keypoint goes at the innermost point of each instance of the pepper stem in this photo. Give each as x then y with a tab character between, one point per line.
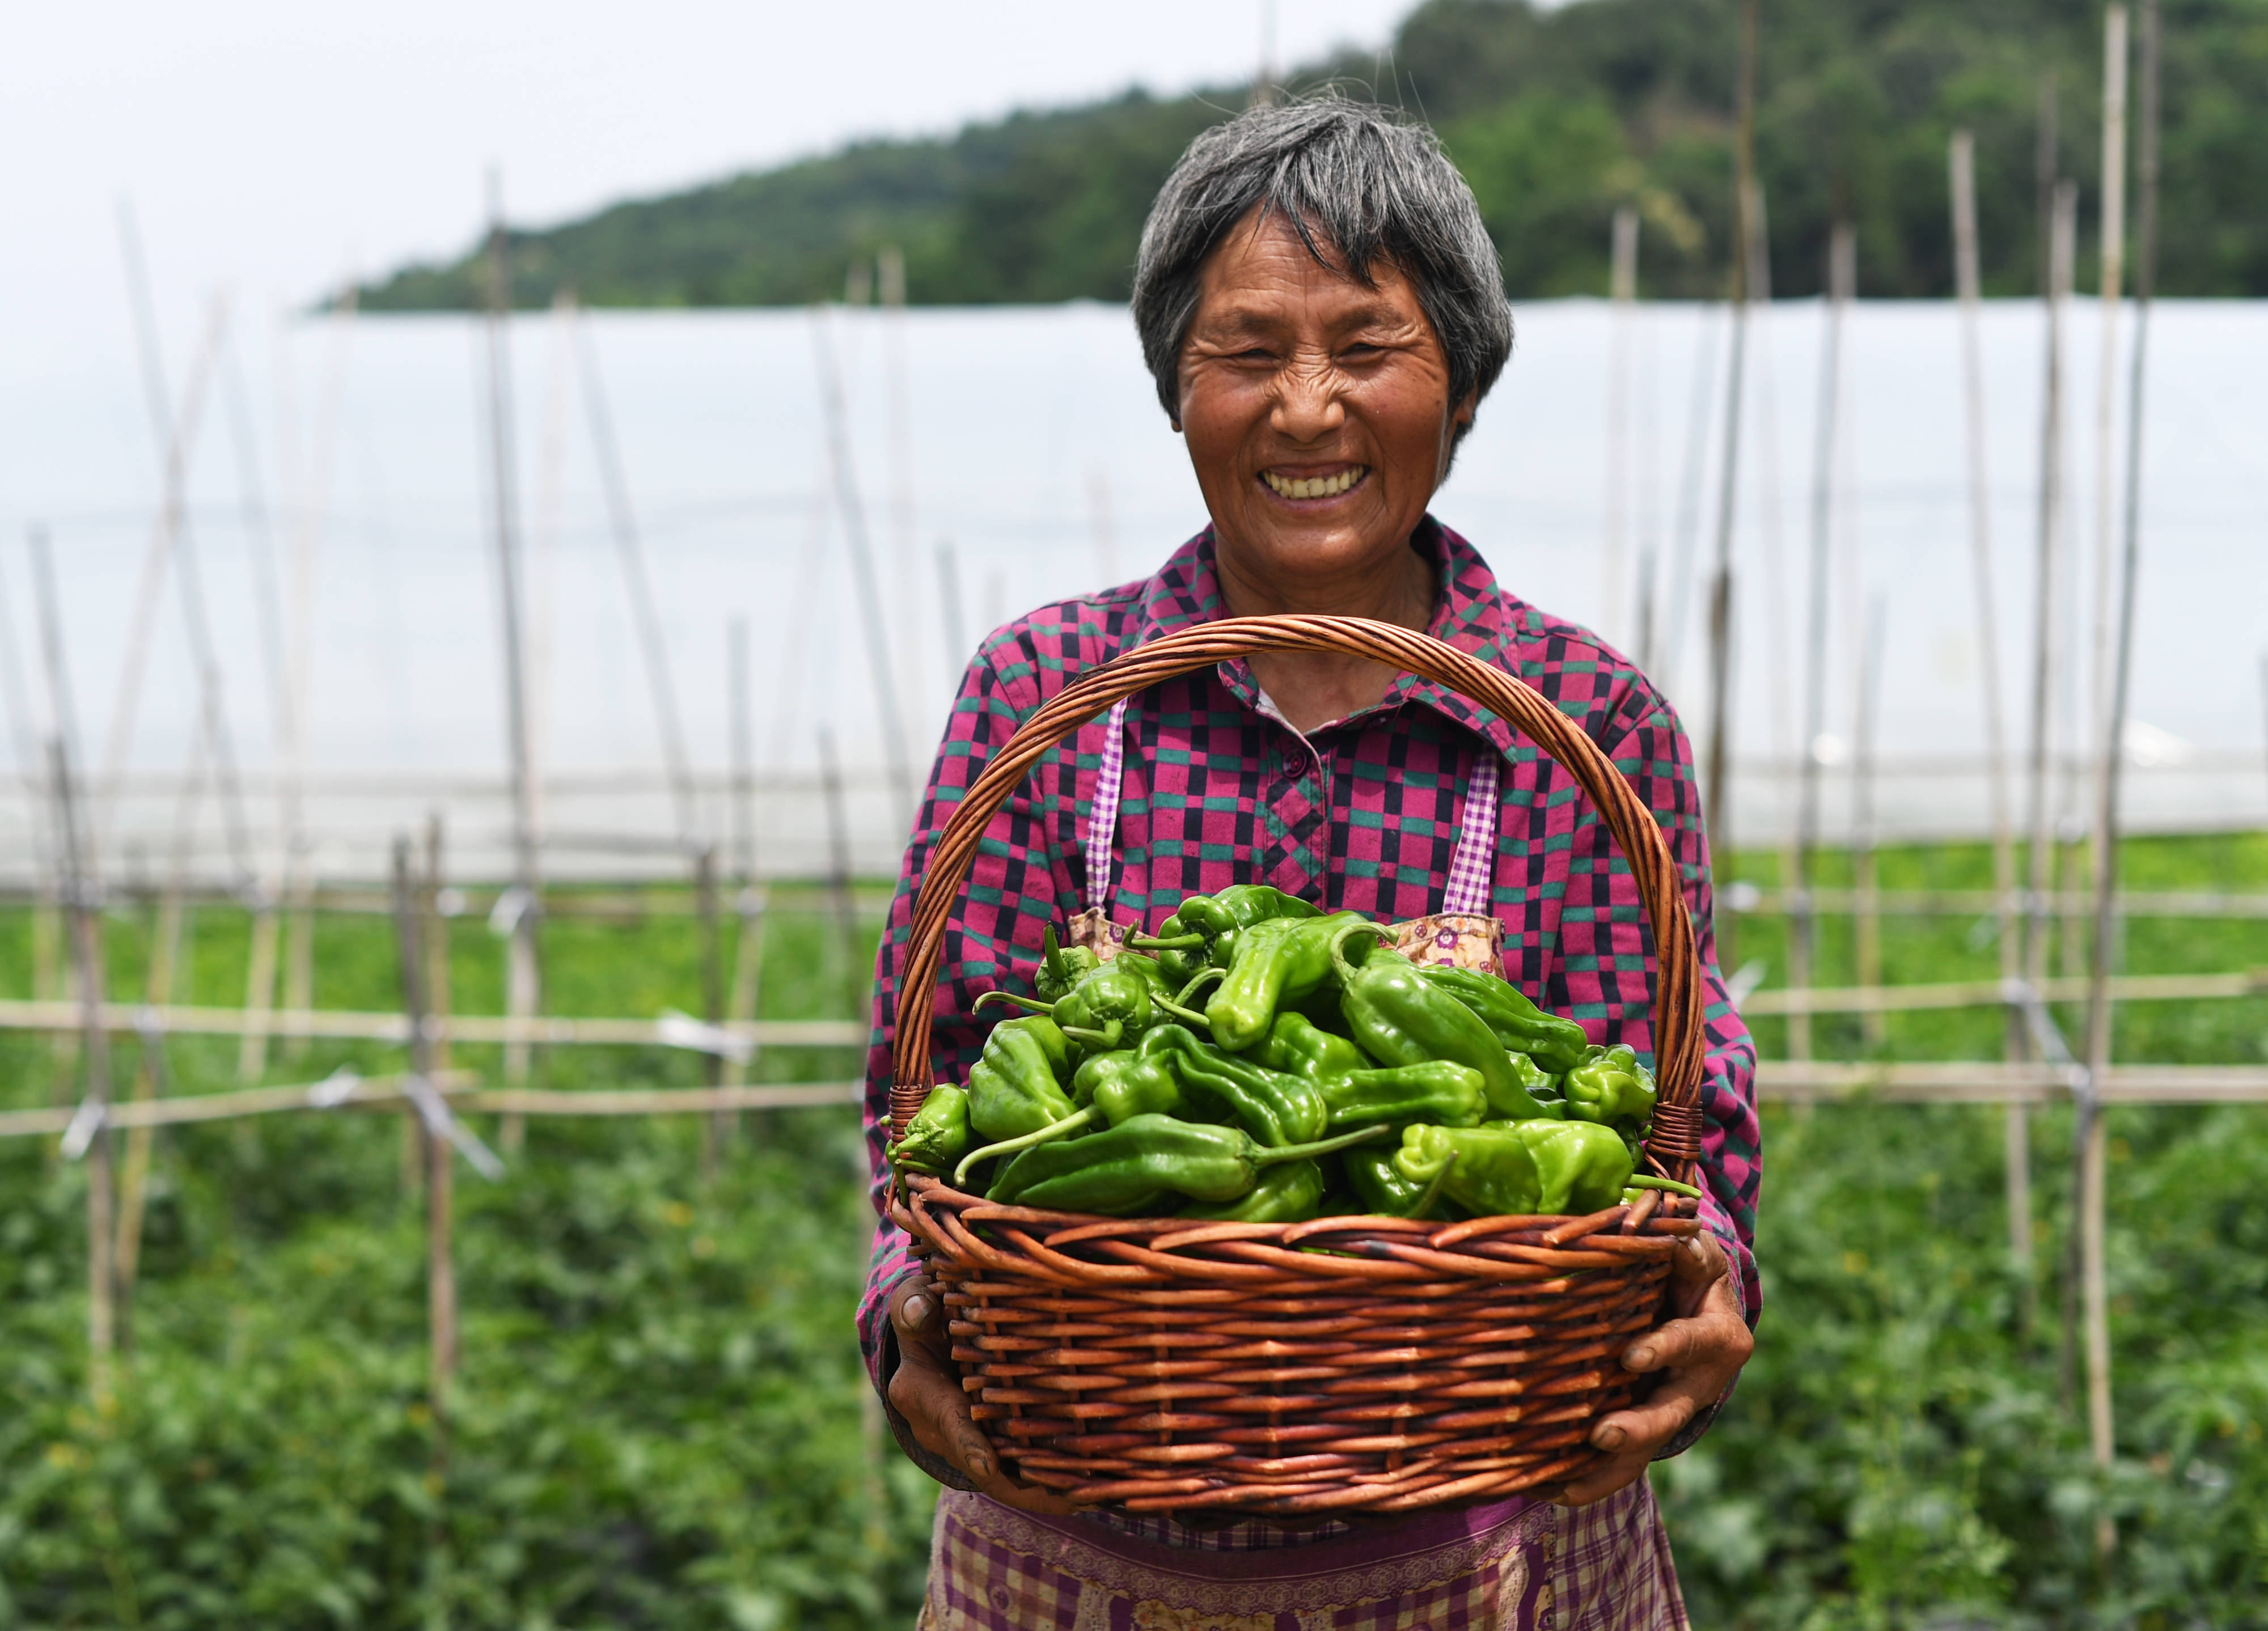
1321	1147
1051	958
1187	1016
1433	1189
1202	977
1103	1040
1338	945
1070	1124
1171	943
1647	1180
1031	1003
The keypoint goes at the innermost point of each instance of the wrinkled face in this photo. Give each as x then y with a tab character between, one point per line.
1317	410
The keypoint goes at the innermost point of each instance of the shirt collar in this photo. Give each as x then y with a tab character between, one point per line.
1471	611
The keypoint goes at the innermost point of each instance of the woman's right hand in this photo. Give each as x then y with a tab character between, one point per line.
926	1390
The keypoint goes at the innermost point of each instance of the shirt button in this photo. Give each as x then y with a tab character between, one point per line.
1295	763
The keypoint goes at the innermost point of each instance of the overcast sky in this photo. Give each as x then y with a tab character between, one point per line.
269	144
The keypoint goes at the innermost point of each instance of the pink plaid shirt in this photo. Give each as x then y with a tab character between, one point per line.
1361	814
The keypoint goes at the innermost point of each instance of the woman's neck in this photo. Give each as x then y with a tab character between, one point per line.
1313	688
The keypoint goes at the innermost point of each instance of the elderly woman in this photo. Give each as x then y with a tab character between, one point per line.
1323	313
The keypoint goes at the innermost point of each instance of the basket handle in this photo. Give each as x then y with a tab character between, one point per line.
1674	1141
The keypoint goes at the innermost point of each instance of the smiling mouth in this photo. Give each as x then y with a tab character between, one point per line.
1314	486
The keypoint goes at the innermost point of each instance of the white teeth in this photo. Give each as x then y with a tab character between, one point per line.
1315	487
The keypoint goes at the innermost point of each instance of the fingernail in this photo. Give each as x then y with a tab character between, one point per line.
1639	1358
918	1310
980	1467
1608	1438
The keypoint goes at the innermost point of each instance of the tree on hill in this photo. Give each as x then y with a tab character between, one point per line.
1556	117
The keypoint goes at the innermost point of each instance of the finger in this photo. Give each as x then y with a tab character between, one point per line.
1603	1480
918	1316
1646	1427
1666	1347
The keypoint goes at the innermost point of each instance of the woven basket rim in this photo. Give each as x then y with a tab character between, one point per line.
1673	1144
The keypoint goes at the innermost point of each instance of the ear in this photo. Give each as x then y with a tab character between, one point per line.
1462	415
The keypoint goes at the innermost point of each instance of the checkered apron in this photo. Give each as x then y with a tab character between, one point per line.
1509	1566
1464	933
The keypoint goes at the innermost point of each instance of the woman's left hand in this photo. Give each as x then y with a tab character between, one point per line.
1698	1354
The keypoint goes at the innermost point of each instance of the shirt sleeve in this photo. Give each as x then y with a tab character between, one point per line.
1013	893
1652	750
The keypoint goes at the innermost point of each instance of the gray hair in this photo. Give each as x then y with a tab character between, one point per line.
1347	178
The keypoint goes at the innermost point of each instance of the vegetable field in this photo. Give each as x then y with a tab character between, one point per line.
661	1419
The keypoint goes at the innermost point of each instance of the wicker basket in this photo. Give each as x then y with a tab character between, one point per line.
1343	1365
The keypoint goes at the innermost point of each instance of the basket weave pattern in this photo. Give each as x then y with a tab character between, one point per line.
1341	1365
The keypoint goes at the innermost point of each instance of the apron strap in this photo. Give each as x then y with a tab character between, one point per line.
1472	870
1103	815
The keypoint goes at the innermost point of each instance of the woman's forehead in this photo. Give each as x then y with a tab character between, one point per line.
1263	267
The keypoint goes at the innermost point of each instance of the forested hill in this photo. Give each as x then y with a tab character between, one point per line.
1555	117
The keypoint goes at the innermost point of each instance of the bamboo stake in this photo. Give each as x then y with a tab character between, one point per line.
838	872
86	950
2049	593
1621	289
543	550
1716	793
1870	917
2016	1157
1841	276
267	925
31	767
748	976
890	280
2106	390
441	1261
78	889
740	708
2100	1435
313	488
637	584
1768	485
524	978
718	1126
149	1073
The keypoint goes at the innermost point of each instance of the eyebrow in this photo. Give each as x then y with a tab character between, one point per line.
1249	318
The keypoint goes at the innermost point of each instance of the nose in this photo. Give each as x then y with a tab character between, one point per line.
1308	405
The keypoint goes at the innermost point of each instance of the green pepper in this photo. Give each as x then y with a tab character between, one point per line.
1541	1084
1297	1045
937	1137
1289	1193
1489	1171
1402	1019
1438	1092
1241	906
1128	1083
1383	1191
1110	1007
1610	1087
1274	1107
1581	1166
1061	970
1203	929
1554	1043
1126	1169
1279	963
1015	1088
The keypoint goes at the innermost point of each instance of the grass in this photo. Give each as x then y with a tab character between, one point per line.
661	1419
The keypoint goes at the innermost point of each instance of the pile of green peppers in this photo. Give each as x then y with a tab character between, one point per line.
1261	1060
